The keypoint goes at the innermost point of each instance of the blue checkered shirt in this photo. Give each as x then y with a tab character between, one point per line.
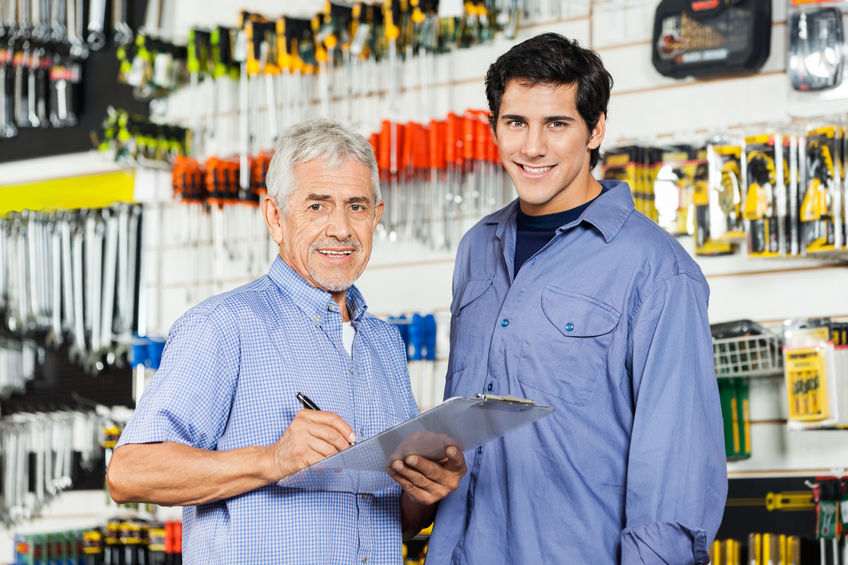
228	379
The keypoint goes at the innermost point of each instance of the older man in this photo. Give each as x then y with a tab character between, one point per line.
221	422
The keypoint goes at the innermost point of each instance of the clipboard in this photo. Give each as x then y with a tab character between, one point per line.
463	422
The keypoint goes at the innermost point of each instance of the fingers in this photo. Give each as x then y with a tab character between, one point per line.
311	436
428	481
327	427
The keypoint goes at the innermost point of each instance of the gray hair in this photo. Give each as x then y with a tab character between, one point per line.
316	139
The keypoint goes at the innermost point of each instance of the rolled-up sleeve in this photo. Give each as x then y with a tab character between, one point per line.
189	399
677	471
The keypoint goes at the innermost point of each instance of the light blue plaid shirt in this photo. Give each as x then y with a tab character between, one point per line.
228	379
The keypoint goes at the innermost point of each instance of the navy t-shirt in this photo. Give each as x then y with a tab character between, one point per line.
535	231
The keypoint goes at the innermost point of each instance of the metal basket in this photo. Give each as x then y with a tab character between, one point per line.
748	356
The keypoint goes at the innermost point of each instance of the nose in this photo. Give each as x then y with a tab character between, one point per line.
533	144
338	224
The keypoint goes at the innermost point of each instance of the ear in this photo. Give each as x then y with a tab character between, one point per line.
378	212
273	218
598	132
494	135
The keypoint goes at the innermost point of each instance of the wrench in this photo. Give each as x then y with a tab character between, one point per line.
96	37
79	48
58	17
94	286
7	105
31	89
20	63
42	85
54	336
122	30
40	10
77	350
67	271
63	76
5	265
104	345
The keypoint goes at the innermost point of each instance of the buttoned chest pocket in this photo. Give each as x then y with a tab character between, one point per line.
469	315
566	353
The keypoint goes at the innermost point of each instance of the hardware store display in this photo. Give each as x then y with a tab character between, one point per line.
703	39
72	276
440	173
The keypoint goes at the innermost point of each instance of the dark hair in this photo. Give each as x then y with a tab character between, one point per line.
553	59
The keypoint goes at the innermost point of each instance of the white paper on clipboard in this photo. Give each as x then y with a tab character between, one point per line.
464	422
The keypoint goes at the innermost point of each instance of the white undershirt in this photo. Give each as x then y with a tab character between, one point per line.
348	333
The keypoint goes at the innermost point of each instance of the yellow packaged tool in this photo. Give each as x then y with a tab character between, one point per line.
820	208
674	189
717	199
622	164
762	155
808	358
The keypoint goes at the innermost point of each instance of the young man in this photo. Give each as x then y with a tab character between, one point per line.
570	297
221	422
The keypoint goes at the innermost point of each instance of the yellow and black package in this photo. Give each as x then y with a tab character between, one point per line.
820	202
758	202
634	164
718	201
622	164
674	189
811	383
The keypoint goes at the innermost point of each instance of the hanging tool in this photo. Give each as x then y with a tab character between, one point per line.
123	33
96	37
240	56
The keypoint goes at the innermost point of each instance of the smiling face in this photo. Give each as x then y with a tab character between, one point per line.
326	233
544	145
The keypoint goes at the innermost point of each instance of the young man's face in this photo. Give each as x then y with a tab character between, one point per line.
327	232
544	145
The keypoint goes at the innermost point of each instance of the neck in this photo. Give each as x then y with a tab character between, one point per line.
340	298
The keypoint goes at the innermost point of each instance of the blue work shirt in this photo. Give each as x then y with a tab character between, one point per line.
228	379
608	324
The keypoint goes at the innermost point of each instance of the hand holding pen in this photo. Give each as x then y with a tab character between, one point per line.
312	435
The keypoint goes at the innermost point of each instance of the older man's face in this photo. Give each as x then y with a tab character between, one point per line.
327	232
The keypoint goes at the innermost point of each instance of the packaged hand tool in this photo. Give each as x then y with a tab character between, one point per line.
816	49
674	189
810	380
702	38
624	164
820	210
735	413
724	185
761	155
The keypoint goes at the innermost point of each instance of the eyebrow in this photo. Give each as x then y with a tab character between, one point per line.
351	200
316	196
546	119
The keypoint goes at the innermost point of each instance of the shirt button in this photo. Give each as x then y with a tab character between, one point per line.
351	370
504	323
365	560
317	319
569	326
489	387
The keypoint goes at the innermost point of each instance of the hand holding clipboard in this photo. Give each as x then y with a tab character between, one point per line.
463	422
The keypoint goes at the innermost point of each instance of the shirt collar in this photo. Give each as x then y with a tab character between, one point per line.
314	302
607	213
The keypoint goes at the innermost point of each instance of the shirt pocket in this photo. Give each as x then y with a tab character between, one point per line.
567	351
468	312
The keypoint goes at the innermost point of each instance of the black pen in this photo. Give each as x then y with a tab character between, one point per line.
308	404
